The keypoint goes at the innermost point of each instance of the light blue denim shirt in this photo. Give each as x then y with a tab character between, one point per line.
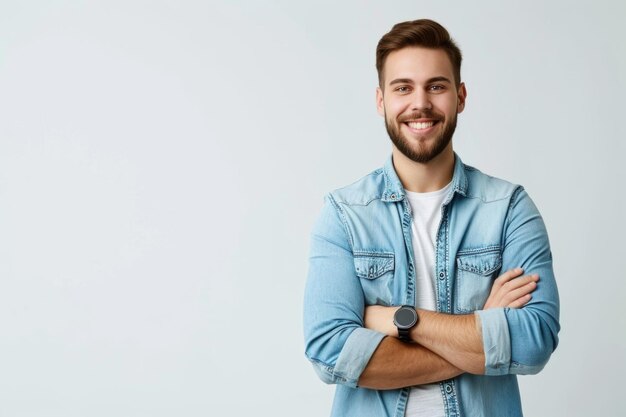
362	254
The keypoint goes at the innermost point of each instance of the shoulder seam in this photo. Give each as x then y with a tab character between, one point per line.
341	215
516	192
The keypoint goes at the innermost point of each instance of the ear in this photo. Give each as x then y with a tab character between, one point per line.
461	95
380	105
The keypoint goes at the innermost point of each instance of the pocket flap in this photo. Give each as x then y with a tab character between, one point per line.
372	266
481	261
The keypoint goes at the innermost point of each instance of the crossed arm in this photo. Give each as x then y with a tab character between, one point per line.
346	347
445	345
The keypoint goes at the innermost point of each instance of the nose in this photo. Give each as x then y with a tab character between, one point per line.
421	101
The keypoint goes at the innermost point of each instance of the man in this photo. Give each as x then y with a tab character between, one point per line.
430	234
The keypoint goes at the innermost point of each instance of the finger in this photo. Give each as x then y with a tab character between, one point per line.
509	275
520	292
519	282
520	302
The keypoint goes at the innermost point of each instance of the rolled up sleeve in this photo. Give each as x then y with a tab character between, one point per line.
521	341
336	343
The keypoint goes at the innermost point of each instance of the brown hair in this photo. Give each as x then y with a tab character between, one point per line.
423	32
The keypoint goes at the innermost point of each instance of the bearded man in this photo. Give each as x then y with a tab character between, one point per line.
430	284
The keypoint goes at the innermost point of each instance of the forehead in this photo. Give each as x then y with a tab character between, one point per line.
417	64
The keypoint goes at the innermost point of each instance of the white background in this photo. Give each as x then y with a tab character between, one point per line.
162	163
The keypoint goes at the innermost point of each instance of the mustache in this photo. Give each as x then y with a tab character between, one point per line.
425	114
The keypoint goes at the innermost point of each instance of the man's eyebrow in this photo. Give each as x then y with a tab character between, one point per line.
440	78
401	81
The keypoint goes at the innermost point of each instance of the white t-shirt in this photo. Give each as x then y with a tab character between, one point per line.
425	400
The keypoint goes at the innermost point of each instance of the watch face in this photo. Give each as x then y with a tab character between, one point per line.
405	317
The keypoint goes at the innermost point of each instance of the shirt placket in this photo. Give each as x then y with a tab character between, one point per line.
444	302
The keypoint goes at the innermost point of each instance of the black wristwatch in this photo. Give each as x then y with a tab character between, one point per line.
405	319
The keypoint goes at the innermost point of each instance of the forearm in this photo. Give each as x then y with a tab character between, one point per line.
396	364
456	338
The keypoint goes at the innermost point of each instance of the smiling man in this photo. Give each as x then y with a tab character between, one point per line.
430	283
419	102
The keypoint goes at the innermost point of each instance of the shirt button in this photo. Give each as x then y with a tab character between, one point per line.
441	275
449	389
393	196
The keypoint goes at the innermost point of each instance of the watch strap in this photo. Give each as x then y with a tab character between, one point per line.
404	334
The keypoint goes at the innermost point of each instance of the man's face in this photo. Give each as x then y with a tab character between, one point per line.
420	101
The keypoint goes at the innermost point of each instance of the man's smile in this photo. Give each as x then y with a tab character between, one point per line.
420	126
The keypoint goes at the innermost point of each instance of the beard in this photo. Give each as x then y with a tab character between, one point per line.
421	152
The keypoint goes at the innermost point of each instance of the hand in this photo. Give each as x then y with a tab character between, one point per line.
380	318
510	291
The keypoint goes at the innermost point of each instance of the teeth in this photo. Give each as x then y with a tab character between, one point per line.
420	125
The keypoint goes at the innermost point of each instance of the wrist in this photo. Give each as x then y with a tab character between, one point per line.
405	319
416	333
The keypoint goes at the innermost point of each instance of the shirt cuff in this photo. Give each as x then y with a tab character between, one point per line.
355	355
496	341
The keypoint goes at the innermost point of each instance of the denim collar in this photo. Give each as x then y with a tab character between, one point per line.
394	191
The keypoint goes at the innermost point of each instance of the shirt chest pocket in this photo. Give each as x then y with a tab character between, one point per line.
476	270
375	271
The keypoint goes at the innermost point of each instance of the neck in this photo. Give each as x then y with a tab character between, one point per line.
424	177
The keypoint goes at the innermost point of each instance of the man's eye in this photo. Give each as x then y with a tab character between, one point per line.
436	87
403	89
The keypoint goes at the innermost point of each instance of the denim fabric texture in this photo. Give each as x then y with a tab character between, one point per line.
362	254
